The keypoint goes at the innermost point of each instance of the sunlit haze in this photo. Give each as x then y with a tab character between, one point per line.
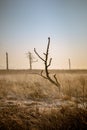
27	24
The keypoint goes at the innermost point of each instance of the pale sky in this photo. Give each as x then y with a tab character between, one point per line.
27	24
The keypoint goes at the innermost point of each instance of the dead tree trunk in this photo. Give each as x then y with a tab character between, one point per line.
30	60
47	64
6	61
30	56
69	64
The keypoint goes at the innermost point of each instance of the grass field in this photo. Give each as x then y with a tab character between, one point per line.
33	103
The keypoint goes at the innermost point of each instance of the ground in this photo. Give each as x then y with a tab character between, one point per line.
32	103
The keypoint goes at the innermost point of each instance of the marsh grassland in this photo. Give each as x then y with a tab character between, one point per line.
30	102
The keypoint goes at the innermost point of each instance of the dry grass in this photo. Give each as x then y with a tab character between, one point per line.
16	118
29	116
26	86
34	86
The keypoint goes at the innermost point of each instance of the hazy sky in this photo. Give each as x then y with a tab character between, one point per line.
27	24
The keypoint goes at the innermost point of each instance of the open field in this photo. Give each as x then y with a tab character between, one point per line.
31	102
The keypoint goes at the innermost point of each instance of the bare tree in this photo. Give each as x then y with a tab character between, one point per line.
69	64
6	61
47	65
31	59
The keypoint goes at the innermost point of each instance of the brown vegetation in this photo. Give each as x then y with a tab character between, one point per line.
27	102
17	118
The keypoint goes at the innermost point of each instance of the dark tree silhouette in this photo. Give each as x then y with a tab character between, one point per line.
47	64
69	63
6	61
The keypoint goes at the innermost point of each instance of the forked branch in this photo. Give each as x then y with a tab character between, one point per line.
47	76
38	55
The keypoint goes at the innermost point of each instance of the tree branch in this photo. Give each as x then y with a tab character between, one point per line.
56	80
43	75
38	55
49	62
44	54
